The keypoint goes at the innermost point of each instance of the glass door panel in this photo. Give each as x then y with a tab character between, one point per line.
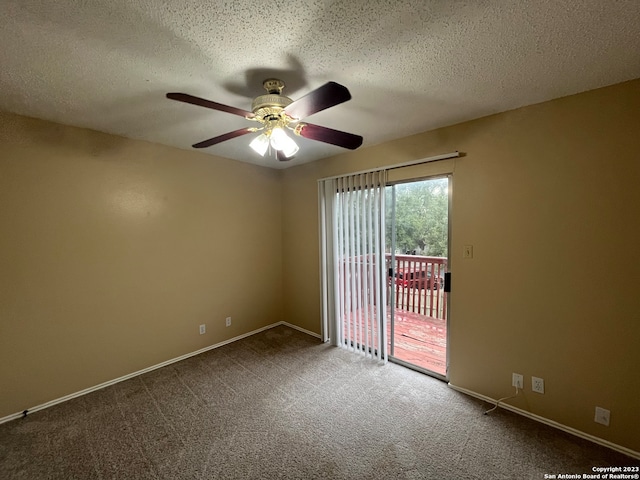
417	259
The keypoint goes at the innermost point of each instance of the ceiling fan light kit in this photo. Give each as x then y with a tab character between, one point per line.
260	144
276	113
278	140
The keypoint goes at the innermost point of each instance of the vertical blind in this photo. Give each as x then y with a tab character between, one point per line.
353	262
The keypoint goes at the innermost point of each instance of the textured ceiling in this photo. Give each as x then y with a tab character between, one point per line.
411	66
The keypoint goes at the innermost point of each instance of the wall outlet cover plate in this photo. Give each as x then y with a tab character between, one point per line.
537	384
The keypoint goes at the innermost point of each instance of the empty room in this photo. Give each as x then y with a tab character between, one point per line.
319	239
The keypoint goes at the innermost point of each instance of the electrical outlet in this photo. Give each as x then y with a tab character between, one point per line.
517	380
602	416
537	384
228	321
203	329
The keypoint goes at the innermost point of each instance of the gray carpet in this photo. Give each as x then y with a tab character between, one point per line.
281	405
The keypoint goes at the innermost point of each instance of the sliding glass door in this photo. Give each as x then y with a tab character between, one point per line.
417	254
384	254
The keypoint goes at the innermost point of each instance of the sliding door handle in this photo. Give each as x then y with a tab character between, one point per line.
447	282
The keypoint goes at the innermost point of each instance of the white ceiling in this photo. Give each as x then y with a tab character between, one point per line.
411	65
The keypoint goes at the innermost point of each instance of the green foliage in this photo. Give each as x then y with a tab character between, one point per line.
421	217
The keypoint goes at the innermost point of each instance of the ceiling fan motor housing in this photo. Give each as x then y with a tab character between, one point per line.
266	107
275	102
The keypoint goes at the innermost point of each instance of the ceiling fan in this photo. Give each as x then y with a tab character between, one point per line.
277	113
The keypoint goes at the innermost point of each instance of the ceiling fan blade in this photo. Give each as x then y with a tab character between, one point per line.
186	98
321	98
222	138
328	135
282	157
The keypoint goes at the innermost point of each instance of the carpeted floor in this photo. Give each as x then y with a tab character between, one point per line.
281	405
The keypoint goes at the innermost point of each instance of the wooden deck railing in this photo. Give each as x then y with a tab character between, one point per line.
417	283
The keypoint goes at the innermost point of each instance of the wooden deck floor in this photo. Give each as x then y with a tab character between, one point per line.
418	339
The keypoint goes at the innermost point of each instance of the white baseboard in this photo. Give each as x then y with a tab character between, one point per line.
300	329
552	423
148	369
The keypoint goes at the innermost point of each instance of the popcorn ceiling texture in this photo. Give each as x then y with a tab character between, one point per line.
411	66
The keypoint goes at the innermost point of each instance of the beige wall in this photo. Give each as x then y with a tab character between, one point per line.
549	197
113	252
